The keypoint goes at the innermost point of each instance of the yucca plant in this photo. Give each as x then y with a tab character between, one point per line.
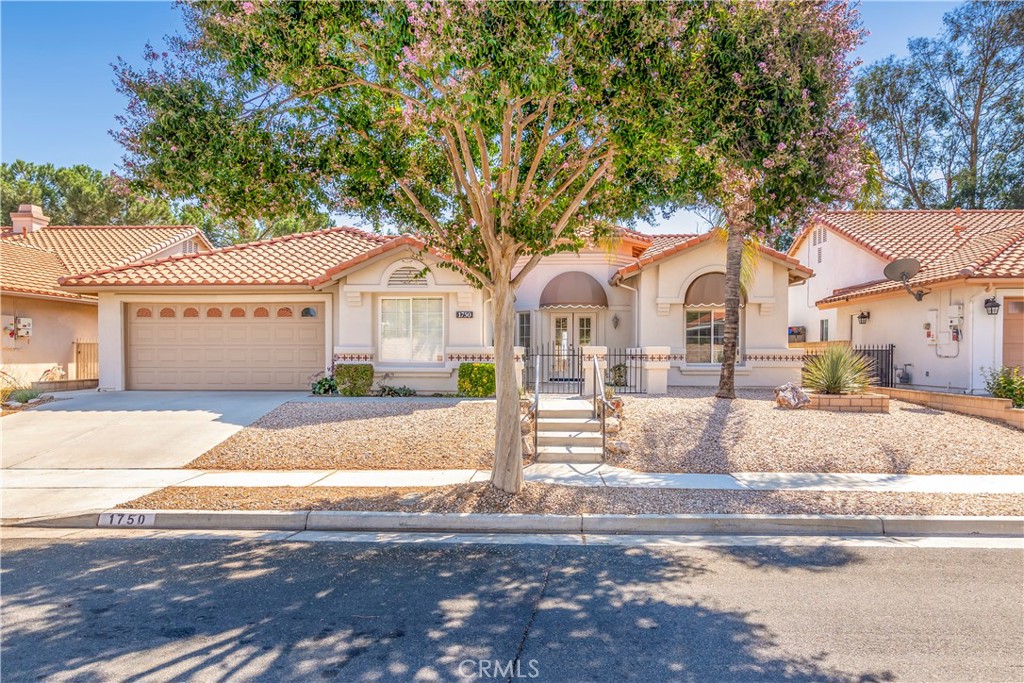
839	370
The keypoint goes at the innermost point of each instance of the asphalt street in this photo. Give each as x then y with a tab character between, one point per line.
105	610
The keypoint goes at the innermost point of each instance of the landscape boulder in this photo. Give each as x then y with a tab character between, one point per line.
790	395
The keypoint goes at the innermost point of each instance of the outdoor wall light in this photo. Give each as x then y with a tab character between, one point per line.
992	306
615	321
863	317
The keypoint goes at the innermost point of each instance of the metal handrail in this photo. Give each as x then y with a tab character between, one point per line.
535	408
599	394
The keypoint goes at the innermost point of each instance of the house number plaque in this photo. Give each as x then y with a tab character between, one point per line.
463	314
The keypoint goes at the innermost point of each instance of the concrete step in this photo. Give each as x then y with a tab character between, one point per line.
565	413
568	424
569	454
545	438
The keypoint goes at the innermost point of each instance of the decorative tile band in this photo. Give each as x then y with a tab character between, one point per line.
352	357
773	357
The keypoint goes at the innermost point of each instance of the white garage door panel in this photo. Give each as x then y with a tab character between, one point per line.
264	348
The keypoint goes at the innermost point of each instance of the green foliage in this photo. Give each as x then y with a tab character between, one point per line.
617	375
388	390
839	370
24	395
476	379
1005	382
946	120
354	379
77	195
325	386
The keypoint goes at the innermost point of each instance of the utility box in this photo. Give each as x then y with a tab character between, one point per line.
956	316
23	327
931	325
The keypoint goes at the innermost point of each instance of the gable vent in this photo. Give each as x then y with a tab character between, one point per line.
407	277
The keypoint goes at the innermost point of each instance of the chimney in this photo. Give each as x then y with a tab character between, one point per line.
28	218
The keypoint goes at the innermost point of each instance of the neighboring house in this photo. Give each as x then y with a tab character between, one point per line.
46	327
270	314
967	259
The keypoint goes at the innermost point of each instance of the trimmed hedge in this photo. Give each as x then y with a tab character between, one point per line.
354	379
476	379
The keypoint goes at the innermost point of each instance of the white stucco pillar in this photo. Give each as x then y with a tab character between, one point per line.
110	334
520	365
589	353
656	366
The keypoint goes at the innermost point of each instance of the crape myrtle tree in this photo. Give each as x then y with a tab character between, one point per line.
498	132
776	126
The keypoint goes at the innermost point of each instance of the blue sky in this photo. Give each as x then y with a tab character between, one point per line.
57	98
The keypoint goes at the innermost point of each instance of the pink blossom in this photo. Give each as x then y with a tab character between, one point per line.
248	7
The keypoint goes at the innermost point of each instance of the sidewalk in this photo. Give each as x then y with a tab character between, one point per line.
46	492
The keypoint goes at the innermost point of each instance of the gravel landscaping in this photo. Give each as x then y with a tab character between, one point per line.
544	498
382	434
692	431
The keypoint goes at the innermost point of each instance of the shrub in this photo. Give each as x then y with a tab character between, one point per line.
24	395
839	370
388	390
476	379
1005	382
324	386
353	379
617	375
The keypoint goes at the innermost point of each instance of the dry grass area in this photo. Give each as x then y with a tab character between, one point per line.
384	434
566	500
692	431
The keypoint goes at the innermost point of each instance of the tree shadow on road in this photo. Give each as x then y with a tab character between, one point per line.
214	610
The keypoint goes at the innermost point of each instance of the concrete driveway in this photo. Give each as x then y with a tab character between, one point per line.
92	432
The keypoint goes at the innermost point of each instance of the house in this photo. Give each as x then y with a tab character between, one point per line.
50	332
969	315
271	314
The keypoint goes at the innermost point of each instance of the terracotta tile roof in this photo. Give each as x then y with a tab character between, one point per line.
30	270
949	245
85	248
290	260
664	246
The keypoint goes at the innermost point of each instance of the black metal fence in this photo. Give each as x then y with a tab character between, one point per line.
558	367
881	356
625	371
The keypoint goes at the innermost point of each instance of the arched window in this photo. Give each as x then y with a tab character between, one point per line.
143	313
167	312
237	312
214	313
261	312
191	312
705	318
284	312
308	312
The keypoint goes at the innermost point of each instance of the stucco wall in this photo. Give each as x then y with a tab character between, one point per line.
763	320
55	327
947	365
842	264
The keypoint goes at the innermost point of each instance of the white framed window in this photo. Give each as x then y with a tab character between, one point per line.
412	329
705	333
524	331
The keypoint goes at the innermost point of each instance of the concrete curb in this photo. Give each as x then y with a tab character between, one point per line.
310	520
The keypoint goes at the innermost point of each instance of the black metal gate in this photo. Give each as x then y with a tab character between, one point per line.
625	371
881	357
559	369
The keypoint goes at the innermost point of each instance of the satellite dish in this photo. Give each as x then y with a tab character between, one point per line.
901	271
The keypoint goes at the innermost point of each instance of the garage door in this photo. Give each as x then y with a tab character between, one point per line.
224	346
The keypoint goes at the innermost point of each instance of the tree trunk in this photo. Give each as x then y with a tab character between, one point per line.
730	342
508	448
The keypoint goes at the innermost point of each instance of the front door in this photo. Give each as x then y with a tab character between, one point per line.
571	332
1013	333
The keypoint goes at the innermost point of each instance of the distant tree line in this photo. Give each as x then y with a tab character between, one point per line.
947	121
82	195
